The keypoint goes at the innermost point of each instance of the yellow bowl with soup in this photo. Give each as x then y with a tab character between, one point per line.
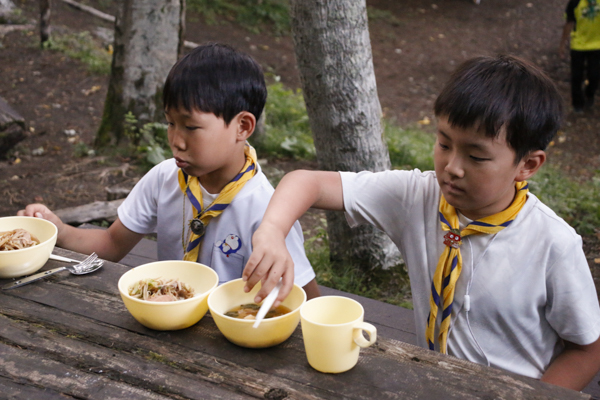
18	262
169	315
271	331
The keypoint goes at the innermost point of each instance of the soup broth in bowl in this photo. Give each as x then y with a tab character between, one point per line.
271	331
249	311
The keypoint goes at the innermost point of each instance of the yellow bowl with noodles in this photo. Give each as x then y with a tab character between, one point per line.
172	315
270	332
25	261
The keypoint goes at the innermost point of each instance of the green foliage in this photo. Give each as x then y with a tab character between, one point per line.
81	46
576	202
103	224
260	15
287	130
390	286
254	15
409	148
288	133
150	142
376	15
83	150
14	17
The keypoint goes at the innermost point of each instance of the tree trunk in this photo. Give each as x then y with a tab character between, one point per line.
148	41
333	52
45	6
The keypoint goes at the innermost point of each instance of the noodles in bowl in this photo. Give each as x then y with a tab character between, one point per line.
17	239
175	274
18	256
161	290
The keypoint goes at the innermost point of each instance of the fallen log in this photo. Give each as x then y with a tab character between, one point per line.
90	10
12	128
98	210
110	18
4	29
117	192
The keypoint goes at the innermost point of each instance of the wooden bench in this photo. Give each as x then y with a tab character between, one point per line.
393	322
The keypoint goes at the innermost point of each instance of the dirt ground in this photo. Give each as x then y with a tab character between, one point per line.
415	44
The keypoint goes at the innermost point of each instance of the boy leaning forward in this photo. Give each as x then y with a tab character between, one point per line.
496	276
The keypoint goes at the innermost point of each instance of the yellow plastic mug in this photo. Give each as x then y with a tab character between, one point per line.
332	329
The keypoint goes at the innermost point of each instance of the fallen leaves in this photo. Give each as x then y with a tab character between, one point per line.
424	121
91	90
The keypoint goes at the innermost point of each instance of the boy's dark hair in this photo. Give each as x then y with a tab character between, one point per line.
492	93
216	78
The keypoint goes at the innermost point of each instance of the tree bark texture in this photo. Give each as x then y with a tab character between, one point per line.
45	8
148	40
333	52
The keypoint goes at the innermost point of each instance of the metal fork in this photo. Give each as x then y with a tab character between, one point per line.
88	265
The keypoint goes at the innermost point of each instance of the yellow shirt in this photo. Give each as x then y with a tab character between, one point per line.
586	33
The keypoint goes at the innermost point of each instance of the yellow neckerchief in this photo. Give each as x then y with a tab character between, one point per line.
190	186
450	262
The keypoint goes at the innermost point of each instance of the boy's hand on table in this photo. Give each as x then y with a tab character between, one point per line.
269	261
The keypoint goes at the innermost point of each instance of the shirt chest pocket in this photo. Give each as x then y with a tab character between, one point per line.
227	266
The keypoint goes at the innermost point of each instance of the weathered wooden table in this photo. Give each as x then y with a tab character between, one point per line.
71	337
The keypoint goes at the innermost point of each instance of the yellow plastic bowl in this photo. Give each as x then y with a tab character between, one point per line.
170	316
17	263
270	332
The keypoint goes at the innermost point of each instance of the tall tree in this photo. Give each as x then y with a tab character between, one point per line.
333	52
45	6
148	40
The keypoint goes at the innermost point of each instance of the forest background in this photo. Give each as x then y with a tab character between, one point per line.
416	44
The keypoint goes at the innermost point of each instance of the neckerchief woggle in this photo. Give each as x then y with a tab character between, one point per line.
450	263
190	186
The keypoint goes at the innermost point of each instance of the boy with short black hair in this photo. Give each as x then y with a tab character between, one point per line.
206	202
497	277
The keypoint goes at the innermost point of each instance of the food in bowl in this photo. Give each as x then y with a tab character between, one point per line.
249	311
161	290
169	315
241	332
17	239
24	261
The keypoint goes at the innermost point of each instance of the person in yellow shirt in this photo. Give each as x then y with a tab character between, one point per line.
583	28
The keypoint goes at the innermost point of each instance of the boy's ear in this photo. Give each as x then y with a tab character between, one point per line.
246	123
530	165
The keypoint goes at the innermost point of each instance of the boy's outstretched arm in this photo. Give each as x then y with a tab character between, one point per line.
296	193
110	244
575	367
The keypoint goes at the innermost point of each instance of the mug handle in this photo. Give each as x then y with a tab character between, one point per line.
359	339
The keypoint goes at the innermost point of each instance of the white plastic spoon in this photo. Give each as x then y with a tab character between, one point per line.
267	304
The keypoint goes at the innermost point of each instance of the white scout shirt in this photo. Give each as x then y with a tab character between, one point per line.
520	290
156	204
